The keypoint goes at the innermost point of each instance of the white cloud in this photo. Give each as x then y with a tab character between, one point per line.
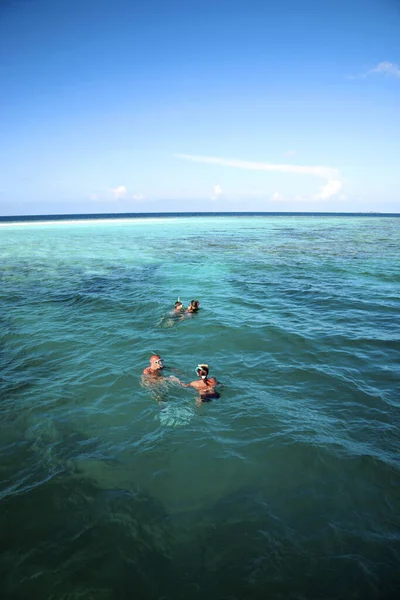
217	192
387	68
382	68
139	197
331	188
332	176
119	191
276	196
289	153
324	172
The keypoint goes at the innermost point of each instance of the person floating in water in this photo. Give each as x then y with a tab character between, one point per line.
205	385
154	380
178	307
193	306
156	367
174	316
179	314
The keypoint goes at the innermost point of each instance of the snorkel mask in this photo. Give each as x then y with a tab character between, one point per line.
204	369
178	305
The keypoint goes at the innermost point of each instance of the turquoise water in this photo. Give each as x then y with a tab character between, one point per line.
286	487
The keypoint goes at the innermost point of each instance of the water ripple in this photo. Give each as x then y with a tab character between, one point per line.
110	485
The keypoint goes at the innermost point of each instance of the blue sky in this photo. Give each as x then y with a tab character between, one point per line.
121	106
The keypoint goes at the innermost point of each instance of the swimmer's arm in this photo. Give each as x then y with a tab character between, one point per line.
193	384
173	378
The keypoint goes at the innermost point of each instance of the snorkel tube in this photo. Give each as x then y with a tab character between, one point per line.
204	369
178	304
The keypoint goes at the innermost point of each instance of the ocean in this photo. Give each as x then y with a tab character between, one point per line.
286	487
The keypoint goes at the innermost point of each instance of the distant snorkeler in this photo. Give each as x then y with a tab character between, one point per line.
173	316
205	385
193	306
178	307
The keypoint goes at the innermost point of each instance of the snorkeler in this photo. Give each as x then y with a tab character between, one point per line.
174	316
178	307
193	306
204	385
155	381
156	366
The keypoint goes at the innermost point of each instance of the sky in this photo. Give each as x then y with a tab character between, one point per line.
158	106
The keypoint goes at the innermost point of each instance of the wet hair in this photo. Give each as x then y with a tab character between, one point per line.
178	303
194	304
202	369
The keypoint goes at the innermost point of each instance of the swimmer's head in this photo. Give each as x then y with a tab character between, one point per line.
178	305
194	305
156	362
202	371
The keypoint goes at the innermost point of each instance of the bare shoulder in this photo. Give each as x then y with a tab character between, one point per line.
147	371
213	381
195	384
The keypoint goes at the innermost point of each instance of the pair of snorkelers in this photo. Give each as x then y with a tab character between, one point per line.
205	385
179	313
192	308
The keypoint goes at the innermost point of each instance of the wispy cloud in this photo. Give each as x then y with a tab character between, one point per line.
331	175
386	68
119	191
276	196
324	172
139	197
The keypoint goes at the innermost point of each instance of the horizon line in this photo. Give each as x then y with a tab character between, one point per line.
59	217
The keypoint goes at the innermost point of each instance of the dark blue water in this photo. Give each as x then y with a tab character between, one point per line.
172	215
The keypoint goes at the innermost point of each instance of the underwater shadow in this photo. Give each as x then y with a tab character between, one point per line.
68	539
